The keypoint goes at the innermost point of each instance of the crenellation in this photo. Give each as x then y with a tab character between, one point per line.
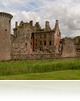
3	14
45	41
32	42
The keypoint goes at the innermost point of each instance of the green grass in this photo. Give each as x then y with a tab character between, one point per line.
56	75
37	66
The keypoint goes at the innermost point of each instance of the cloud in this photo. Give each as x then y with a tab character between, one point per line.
66	11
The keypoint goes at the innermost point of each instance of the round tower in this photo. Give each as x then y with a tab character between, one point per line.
5	31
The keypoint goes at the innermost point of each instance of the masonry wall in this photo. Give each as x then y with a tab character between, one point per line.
69	48
77	46
34	56
44	41
5	31
22	42
33	42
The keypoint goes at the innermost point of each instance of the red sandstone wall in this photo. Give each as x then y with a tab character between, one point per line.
5	42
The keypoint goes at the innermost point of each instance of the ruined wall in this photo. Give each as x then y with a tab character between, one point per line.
34	56
44	41
22	42
29	39
69	49
77	45
5	31
33	42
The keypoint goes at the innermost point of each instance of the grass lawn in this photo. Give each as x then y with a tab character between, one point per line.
56	75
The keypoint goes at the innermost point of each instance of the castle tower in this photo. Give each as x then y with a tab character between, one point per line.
5	31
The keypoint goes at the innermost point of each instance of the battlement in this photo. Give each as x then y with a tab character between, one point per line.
30	41
36	27
3	14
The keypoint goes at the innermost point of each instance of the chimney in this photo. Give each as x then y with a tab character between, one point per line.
56	24
16	24
47	26
38	25
31	22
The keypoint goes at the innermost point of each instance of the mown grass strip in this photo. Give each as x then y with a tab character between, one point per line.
56	75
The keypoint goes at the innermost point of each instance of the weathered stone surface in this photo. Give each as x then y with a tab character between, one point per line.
77	45
34	39
22	44
57	38
37	26
69	49
32	42
47	26
34	56
5	31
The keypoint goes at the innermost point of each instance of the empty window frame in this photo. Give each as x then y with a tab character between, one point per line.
50	43
44	43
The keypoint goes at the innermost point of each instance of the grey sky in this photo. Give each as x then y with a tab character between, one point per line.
66	11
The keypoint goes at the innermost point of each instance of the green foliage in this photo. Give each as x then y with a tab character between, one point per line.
38	66
78	37
56	75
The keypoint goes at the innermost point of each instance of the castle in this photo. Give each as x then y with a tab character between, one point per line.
32	42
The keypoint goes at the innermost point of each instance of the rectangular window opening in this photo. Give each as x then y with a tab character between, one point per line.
44	43
50	43
25	44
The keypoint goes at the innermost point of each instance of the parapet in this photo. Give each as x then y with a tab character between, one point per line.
6	15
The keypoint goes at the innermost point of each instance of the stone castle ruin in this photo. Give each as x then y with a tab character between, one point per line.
32	42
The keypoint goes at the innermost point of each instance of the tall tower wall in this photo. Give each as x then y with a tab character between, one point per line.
5	31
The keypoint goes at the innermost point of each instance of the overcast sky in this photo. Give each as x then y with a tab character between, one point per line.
66	11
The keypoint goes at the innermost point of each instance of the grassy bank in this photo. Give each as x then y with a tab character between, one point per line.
57	75
38	66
